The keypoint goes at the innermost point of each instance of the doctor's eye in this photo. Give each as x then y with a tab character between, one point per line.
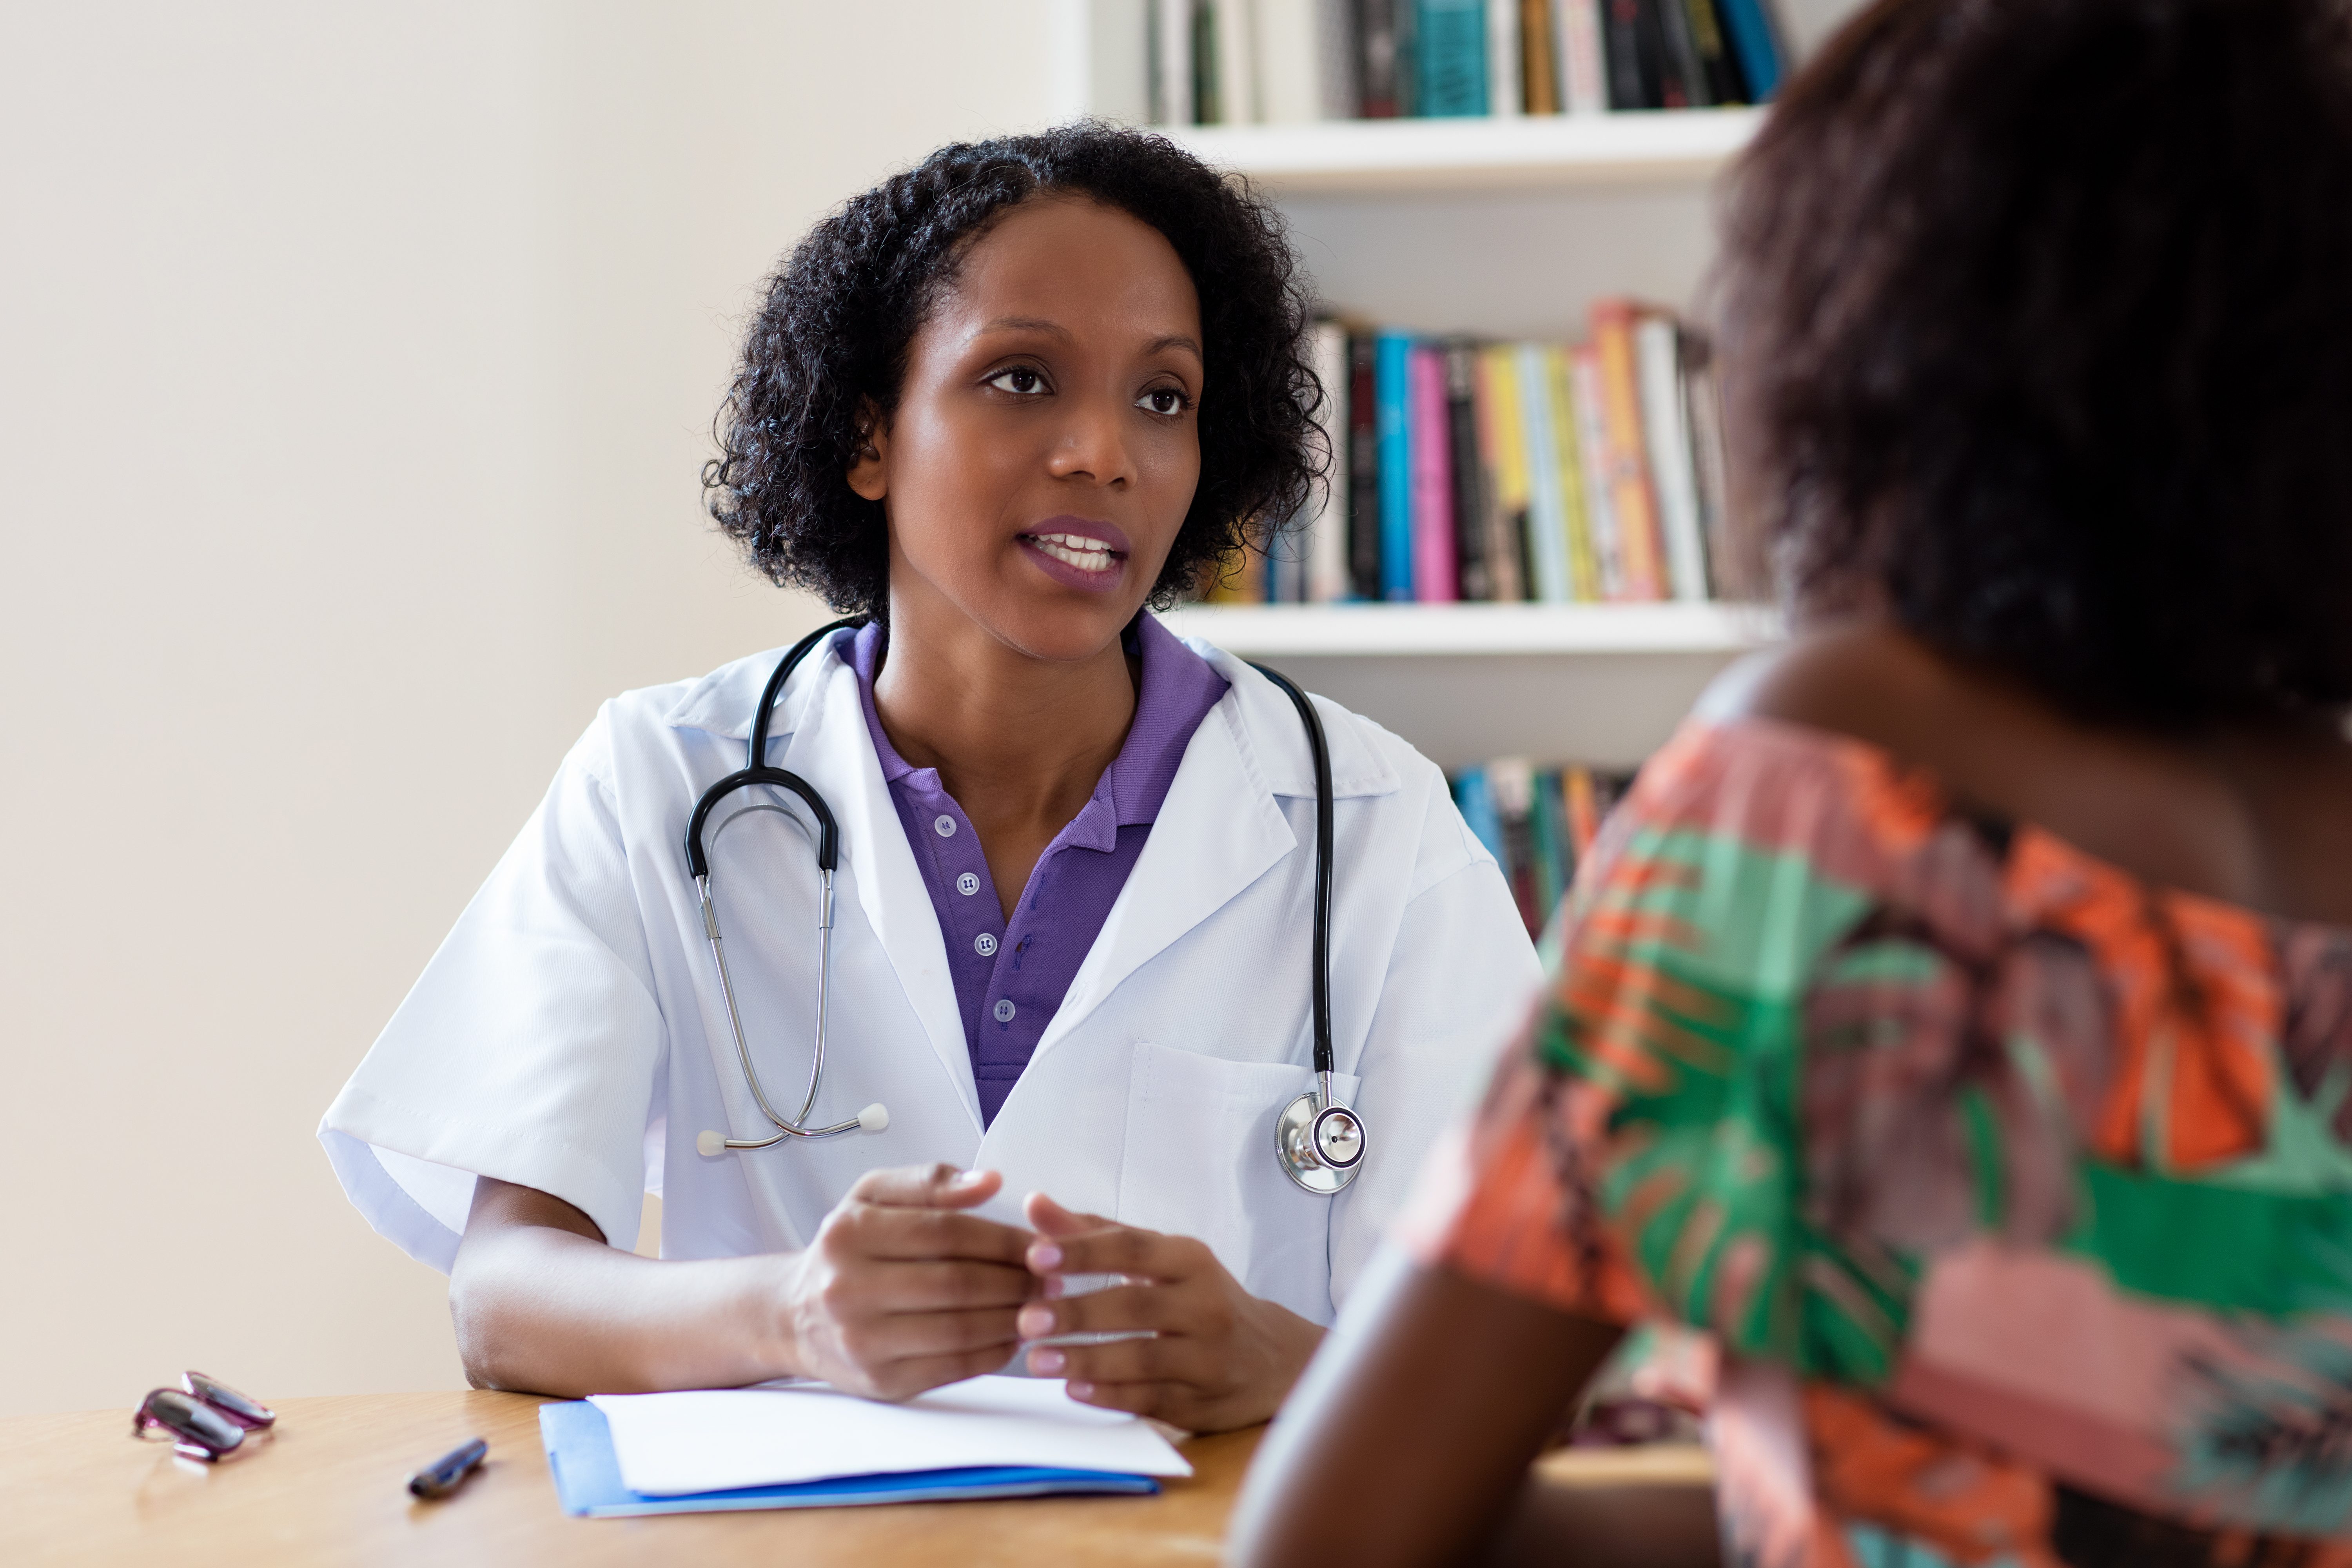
1165	401
1022	380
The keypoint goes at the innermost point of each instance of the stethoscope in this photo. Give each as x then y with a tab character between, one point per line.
1318	1143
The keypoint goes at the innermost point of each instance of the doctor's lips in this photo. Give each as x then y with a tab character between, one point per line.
1078	552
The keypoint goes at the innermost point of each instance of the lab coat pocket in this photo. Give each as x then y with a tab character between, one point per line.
1199	1161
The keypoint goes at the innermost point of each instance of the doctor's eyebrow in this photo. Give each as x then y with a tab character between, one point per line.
1054	329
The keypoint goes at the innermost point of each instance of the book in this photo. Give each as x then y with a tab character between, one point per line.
1305	60
1592	445
1208	80
1505	79
1705	404
1327	533
1682	81
1583	810
1755	40
1503	442
1473	530
1392	394
1432	479
1378	46
1547	509
1657	353
1583	566
1583	64
1511	781
1539	91
1363	469
1632	70
1171	33
1238	581
1626	452
1476	804
1237	74
1715	63
1555	860
1450	43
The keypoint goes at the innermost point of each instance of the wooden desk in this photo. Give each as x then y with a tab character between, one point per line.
327	1489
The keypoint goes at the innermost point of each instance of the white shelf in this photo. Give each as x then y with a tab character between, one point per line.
1421	631
1679	146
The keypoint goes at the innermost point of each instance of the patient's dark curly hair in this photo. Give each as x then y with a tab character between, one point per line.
839	316
2037	327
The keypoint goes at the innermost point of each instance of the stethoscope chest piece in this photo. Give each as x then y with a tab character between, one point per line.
1321	1147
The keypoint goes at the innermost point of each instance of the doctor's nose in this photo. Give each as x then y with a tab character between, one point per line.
1093	445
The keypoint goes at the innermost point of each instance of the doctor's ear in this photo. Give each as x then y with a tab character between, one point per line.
866	475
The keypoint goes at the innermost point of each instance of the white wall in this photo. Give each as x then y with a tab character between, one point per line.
356	364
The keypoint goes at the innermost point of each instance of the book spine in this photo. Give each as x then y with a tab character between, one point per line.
1477	804
1512	784
1363	469
1289	62
1553	853
1705	404
1592	446
1208	105
1172	62
1626	459
1326	543
1722	72
1583	61
1756	46
1650	53
1620	40
1451	35
1501	429
1576	526
1505	79
1684	77
1237	77
1583	810
1658	362
1393	389
1408	58
1473	578
1336	48
1433	481
1547	514
1376	37
1539	76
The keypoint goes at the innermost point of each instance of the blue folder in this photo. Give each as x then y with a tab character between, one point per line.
588	1478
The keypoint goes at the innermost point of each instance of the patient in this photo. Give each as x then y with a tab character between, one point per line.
1956	1022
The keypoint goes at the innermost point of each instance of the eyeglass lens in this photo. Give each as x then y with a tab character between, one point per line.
204	1432
245	1411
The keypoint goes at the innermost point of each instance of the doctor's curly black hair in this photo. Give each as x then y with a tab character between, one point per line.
839	316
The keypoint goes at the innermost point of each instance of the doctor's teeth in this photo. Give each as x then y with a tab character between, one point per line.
1086	554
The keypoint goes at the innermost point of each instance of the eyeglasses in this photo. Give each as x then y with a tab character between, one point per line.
208	1420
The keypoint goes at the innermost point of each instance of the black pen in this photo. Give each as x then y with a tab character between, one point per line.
440	1478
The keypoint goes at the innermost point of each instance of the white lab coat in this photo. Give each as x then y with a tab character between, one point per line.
570	1033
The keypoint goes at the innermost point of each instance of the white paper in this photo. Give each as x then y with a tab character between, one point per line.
715	1440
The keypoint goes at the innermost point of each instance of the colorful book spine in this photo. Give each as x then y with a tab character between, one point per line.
1625	456
1539	59
1503	440
1451	35
1432	479
1722	72
1505	78
1473	578
1363	469
1377	42
1756	45
1477	804
1683	83
1657	351
1549	837
1547	509
1592	446
1583	810
1327	540
1392	390
1704	402
1172	62
1512	784
1583	565
1583	63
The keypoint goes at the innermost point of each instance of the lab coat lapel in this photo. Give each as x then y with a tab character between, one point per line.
1218	831
830	748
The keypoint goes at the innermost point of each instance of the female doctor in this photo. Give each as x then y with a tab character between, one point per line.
999	403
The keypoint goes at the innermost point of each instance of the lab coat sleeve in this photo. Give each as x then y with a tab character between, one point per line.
529	1050
1459	982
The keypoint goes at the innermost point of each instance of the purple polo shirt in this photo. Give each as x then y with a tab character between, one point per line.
1011	977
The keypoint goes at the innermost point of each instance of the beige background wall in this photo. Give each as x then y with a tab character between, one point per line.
355	366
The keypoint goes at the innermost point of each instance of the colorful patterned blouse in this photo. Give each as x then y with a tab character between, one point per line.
2016	1193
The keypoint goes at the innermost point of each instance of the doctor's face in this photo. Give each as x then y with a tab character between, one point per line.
1045	445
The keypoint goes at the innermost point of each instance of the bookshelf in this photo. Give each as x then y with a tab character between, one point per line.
1507	228
1377	156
